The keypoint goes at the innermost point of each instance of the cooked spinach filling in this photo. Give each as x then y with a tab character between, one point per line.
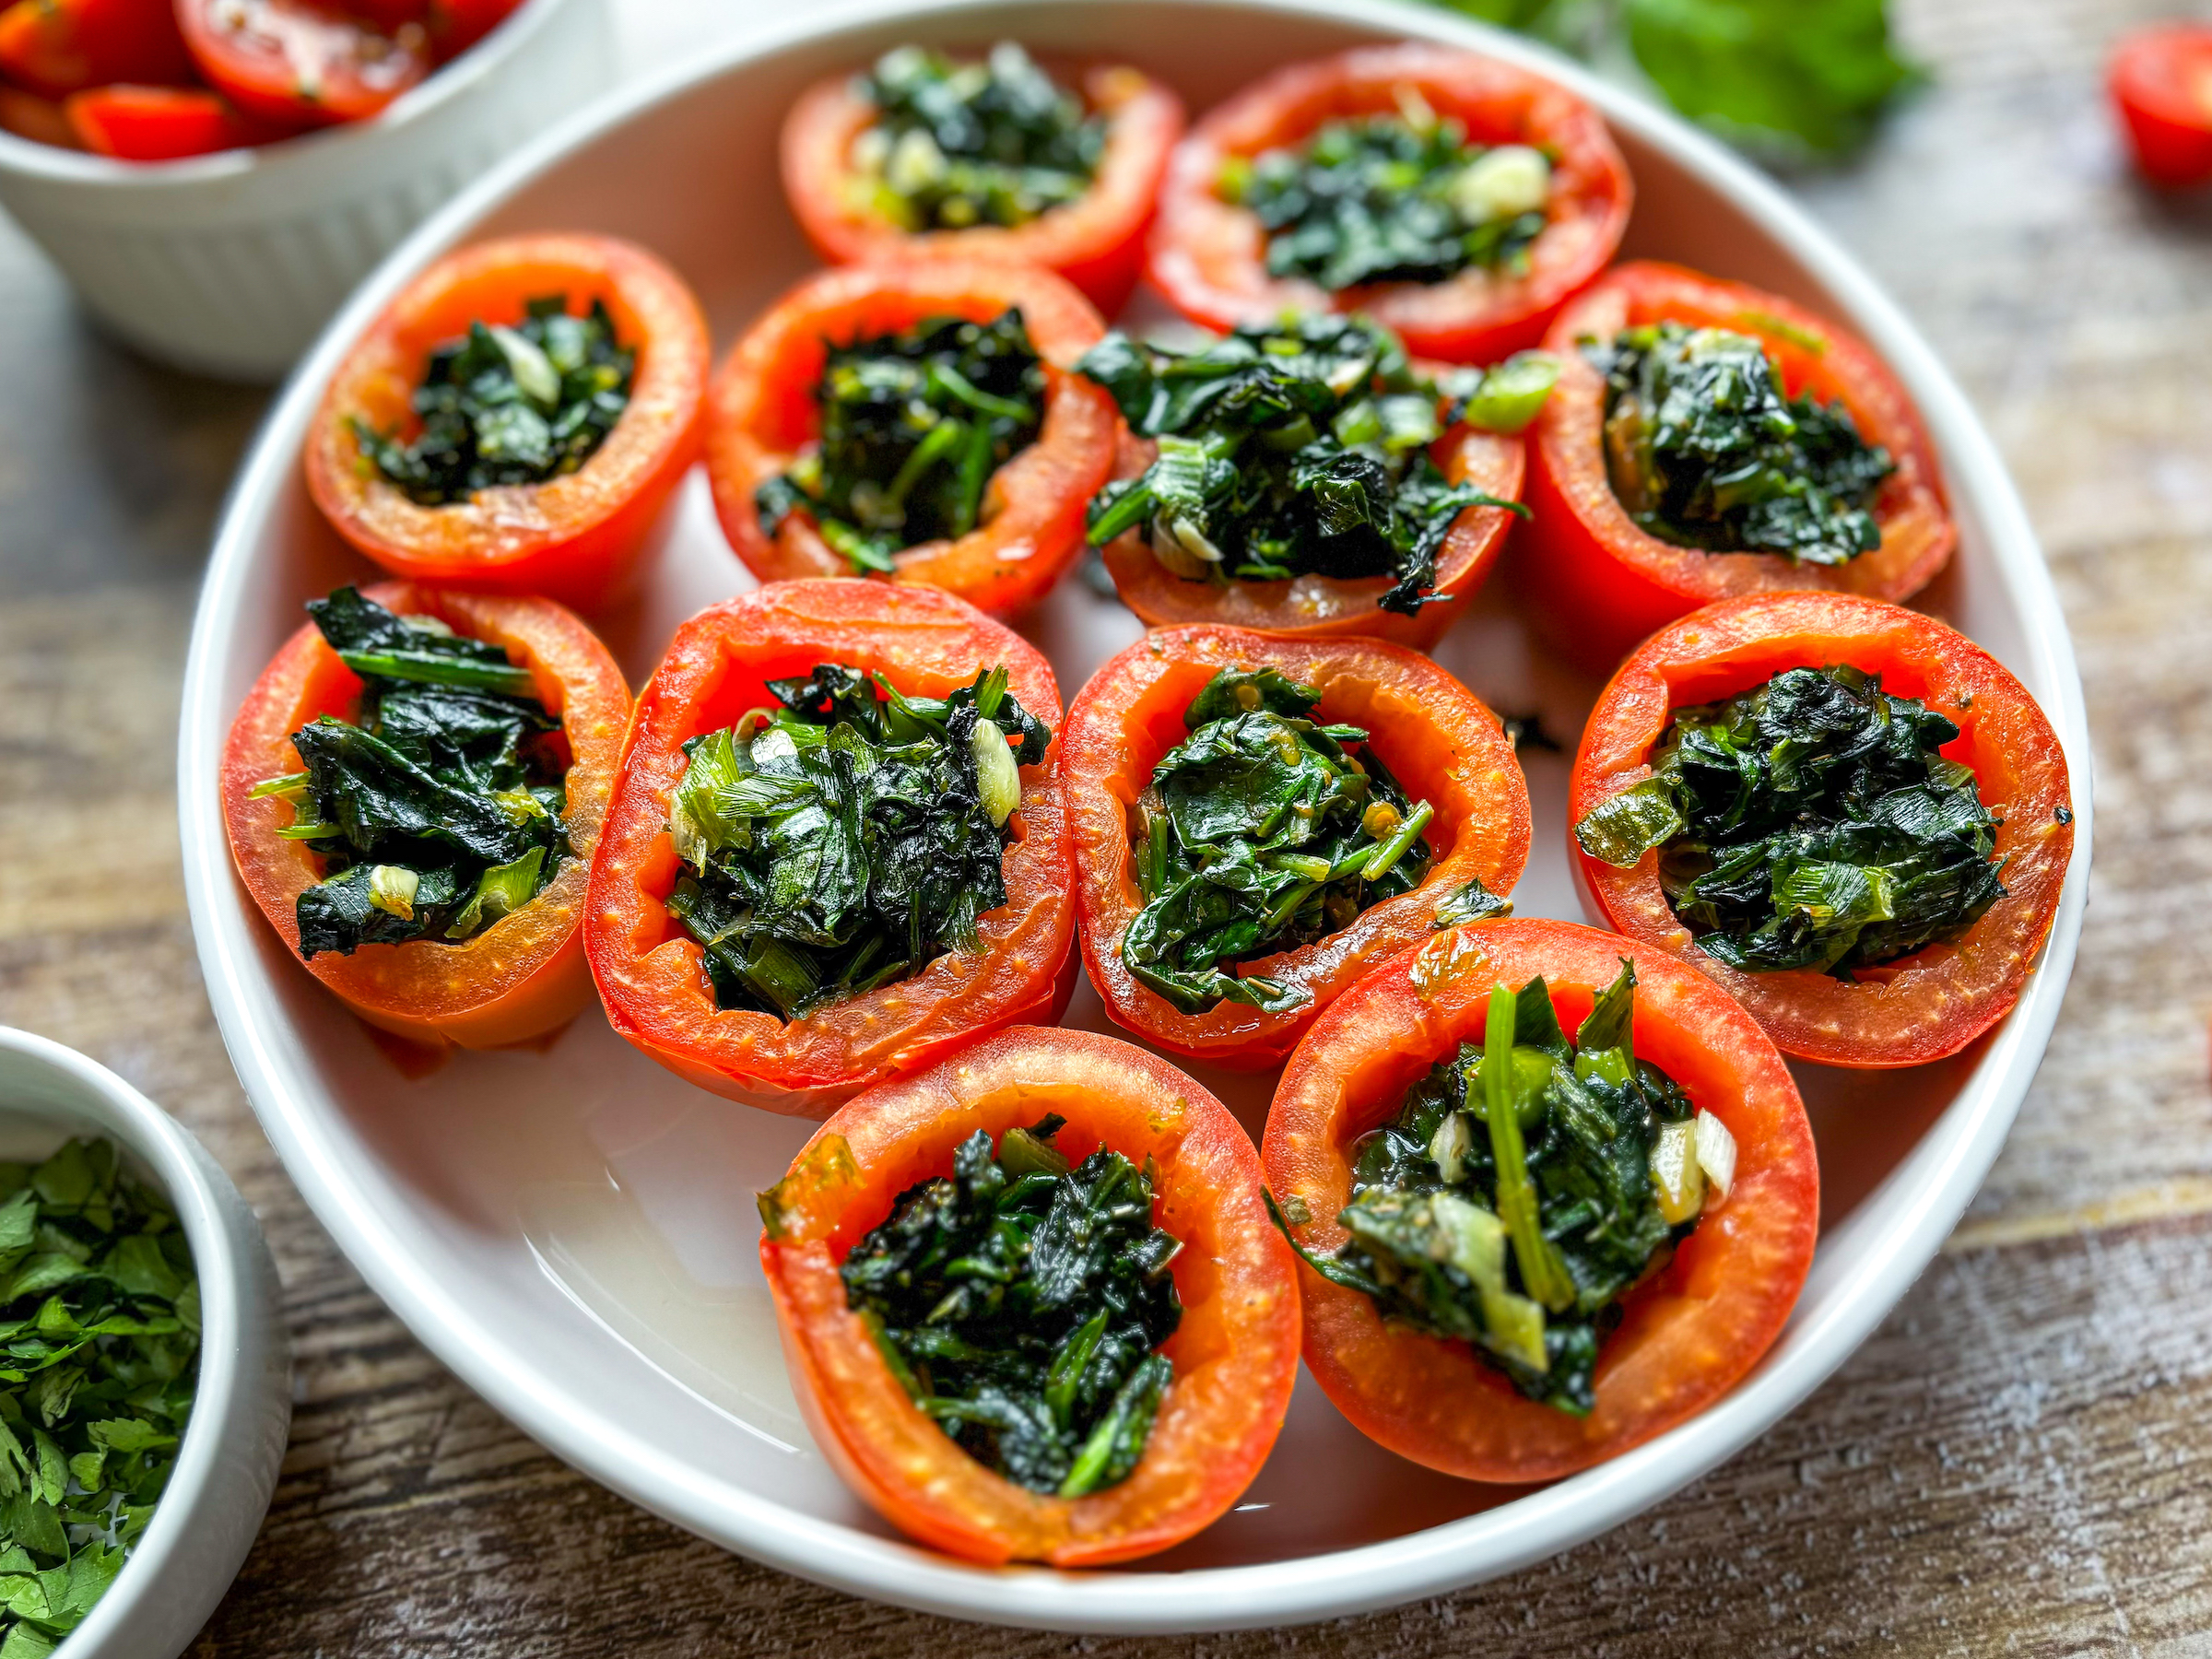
1511	1204
509	406
955	144
1386	199
848	838
1259	833
913	425
1705	450
1296	450
1023	1304
436	809
1810	822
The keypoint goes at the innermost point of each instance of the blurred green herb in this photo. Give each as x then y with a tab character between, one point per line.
509	406
436	809
1786	76
913	425
1259	833
849	837
1023	1303
99	1331
955	144
1809	822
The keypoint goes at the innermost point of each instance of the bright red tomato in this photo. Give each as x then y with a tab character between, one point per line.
293	62
57	47
161	123
2161	81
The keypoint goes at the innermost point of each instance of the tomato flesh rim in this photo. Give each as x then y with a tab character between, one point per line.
1933	1003
1688	1333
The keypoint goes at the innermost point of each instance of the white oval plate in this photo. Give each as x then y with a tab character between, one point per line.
573	1231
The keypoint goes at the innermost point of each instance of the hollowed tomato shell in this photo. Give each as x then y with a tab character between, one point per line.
522	976
1324	607
1689	1332
1209	257
1096	241
1235	1353
1936	1001
763	410
1595	581
576	538
1435	737
650	973
2160	82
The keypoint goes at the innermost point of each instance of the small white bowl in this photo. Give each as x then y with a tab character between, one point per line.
241	1406
230	264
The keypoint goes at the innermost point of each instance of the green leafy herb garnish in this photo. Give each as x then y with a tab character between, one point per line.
1259	833
849	837
101	1315
1793	77
913	425
509	406
1289	451
436	808
1511	1203
1810	822
1705	450
1023	1304
1388	199
955	144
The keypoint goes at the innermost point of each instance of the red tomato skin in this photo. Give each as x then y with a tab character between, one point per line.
1688	1334
1437	737
1593	581
456	25
2160	82
1931	1003
1096	242
523	976
293	62
57	47
1209	258
40	119
161	123
763	407
1235	1353
649	972
581	538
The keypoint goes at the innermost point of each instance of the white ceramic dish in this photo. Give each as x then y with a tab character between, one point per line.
573	1231
243	1405
230	264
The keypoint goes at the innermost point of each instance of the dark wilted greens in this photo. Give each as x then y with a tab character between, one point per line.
1383	199
1705	450
913	425
849	837
1810	822
1512	1206
1259	833
436	808
1290	450
1023	1304
100	1319
509	406
955	144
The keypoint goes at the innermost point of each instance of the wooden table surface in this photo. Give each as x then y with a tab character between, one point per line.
2021	1458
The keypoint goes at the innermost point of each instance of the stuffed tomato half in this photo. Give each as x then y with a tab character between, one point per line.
1109	1361
913	420
837	851
921	156
516	418
413	791
1303	477
1554	1198
1708	440
1852	817
1260	821
1454	198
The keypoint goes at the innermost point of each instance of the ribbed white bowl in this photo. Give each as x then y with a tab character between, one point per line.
230	264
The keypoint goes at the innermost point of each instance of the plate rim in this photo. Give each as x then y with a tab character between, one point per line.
1954	1155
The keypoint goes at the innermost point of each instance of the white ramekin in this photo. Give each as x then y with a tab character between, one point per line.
229	265
241	1406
